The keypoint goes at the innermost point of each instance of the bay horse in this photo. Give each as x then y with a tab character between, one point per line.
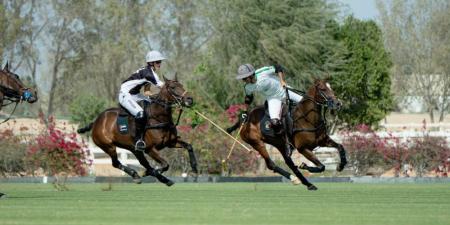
308	132
160	132
12	90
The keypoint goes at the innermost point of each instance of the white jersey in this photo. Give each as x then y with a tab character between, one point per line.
267	83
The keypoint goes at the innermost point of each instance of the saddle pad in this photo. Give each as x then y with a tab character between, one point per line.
265	126
122	124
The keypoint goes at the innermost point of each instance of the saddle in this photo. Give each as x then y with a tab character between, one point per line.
126	121
286	119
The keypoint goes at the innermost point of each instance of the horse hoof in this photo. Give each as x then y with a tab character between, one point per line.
340	167
294	180
312	188
169	183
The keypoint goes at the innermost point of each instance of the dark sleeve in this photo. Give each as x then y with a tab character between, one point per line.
148	75
278	68
248	99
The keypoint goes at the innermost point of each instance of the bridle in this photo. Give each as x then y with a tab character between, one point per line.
12	95
321	108
177	103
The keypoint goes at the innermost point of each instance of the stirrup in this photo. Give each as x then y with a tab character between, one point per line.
140	145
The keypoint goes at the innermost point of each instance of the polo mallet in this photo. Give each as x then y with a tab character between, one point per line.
234	143
223	131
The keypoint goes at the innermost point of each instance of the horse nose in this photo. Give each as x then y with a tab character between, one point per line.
189	101
32	100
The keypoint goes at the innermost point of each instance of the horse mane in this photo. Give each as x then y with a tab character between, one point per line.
13	77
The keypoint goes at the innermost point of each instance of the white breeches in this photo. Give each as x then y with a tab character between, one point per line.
130	102
274	104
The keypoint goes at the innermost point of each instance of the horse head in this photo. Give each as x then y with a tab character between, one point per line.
11	82
173	91
322	94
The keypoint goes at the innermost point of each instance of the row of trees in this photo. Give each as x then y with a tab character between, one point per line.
70	49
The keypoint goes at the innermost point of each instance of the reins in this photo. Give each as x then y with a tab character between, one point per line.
167	105
11	95
320	109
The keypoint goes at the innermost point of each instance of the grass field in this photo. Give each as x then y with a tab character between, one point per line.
227	203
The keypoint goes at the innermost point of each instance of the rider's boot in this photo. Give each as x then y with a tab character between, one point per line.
277	126
140	131
278	129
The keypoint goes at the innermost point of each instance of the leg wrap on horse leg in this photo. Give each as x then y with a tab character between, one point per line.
271	165
284	173
192	158
129	171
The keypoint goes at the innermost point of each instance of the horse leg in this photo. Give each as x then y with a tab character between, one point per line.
297	172
261	148
192	158
155	155
111	151
343	159
311	157
150	170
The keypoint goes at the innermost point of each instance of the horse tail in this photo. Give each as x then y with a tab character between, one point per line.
234	127
85	129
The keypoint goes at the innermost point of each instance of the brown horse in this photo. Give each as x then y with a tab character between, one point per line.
308	132
160	132
13	90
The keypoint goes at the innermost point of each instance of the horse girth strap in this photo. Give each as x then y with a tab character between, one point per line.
315	129
160	126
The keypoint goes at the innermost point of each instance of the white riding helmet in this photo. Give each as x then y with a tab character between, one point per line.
153	56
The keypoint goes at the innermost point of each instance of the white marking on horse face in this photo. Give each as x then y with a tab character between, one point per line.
328	85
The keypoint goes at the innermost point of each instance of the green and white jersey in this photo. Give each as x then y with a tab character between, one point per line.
267	83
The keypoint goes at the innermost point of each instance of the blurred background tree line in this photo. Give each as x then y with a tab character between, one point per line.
77	53
72	50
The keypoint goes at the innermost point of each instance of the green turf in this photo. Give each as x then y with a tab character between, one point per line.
227	203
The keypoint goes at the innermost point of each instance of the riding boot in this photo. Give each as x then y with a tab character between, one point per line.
277	126
140	131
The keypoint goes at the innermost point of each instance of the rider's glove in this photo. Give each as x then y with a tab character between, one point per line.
244	117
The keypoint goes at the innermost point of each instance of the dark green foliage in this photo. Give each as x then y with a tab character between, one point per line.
363	83
85	108
294	34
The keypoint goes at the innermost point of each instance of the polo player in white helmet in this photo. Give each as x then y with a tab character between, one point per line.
129	93
269	81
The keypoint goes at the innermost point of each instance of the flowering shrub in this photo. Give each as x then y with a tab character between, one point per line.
234	111
368	150
429	153
58	152
363	149
12	153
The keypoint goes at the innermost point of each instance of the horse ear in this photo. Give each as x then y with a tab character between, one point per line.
327	77
6	68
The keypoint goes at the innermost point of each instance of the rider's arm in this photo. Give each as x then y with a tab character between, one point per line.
159	83
279	70
248	88
248	100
